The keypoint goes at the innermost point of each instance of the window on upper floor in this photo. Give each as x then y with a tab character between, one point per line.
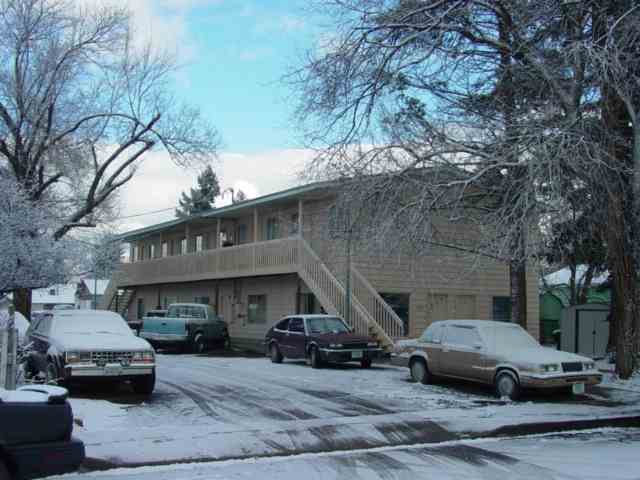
294	224
273	228
242	233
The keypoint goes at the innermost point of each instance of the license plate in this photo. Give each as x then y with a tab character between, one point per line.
578	388
355	355
113	370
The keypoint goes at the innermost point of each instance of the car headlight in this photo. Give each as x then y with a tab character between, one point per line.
550	367
589	366
143	357
335	345
77	357
372	344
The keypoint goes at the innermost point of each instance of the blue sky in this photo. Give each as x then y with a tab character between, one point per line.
234	54
238	53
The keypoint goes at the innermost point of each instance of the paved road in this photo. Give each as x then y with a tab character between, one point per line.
211	408
610	454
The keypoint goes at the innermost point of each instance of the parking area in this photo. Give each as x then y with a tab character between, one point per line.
222	406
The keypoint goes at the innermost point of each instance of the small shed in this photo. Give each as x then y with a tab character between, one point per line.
585	329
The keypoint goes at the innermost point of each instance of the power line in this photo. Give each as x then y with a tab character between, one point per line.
146	213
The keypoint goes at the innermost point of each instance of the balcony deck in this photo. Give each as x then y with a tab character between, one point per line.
272	257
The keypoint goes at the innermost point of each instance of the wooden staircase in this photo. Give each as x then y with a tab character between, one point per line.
114	303
369	314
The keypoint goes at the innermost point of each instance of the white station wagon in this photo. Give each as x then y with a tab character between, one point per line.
494	353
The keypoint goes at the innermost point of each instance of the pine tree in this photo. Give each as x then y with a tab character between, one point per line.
202	197
240	196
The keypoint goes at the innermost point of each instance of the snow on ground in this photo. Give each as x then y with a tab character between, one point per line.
596	454
224	407
611	380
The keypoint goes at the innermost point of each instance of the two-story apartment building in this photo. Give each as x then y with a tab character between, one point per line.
271	256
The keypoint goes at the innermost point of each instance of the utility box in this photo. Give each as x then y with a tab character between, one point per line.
585	329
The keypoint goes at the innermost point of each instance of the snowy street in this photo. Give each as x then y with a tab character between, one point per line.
597	454
209	408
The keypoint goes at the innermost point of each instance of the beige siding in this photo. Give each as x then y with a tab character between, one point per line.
280	294
442	283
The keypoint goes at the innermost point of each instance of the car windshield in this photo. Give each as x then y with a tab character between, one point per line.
326	325
507	338
92	324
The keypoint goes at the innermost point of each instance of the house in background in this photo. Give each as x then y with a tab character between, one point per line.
555	298
258	260
90	292
55	296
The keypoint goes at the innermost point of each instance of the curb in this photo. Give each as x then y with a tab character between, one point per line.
524	429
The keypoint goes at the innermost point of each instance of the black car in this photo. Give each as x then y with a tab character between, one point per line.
319	339
35	433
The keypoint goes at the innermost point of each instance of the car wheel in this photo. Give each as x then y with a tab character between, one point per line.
507	385
199	344
365	363
4	472
419	371
314	358
145	384
276	355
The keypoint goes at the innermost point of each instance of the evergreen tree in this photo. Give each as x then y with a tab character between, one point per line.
202	197
240	196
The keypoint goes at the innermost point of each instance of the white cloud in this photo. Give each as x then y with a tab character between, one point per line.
162	23
158	183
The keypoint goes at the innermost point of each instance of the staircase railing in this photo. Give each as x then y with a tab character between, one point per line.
380	310
331	293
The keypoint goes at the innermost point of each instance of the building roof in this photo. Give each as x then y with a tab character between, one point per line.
288	194
96	287
55	294
562	277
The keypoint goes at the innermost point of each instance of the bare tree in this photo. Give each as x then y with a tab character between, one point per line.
480	112
80	106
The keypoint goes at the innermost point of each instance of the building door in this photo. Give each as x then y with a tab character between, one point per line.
592	332
399	302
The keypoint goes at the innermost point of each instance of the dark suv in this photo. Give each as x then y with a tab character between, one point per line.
319	339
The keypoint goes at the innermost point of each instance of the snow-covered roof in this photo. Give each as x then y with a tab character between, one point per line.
562	276
55	294
99	285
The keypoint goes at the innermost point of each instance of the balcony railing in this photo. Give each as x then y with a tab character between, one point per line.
261	258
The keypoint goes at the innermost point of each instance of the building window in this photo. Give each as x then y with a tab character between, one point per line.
165	249
140	308
502	309
202	300
294	225
273	229
242	234
199	243
257	309
183	247
52	292
399	303
307	303
168	301
152	251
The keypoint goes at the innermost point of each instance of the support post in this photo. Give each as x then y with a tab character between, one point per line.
300	218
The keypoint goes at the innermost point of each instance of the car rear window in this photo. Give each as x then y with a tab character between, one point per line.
462	336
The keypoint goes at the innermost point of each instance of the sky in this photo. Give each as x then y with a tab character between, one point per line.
233	55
